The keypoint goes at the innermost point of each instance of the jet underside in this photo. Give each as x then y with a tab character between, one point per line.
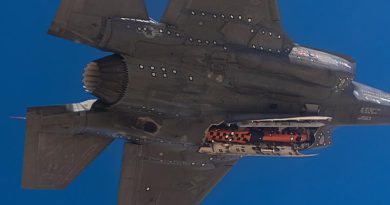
190	95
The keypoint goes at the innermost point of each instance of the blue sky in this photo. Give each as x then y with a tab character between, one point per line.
38	69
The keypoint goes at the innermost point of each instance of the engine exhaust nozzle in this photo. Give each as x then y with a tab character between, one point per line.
106	78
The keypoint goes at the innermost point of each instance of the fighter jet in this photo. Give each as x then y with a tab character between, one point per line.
190	95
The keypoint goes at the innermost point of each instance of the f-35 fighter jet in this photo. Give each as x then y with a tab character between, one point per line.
211	82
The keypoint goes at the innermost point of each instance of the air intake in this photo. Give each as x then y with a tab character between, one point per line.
106	78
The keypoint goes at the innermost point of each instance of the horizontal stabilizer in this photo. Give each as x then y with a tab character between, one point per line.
55	152
84	20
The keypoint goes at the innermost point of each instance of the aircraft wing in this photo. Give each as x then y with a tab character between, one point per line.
83	20
251	23
159	175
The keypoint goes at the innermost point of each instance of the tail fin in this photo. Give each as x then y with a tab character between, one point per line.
55	153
